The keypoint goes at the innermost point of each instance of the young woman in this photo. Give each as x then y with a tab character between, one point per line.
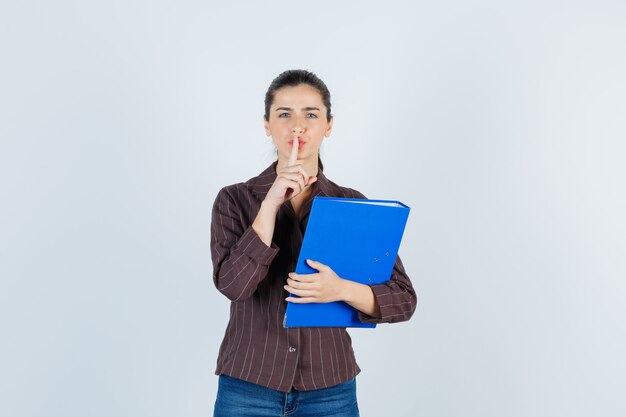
256	232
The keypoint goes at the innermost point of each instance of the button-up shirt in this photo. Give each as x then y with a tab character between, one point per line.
256	347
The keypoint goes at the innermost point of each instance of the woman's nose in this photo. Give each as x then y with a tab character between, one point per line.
298	126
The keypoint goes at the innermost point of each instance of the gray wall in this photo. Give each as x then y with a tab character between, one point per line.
501	125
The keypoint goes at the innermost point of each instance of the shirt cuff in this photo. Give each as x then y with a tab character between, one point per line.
385	310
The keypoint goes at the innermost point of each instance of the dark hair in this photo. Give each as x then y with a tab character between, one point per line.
293	78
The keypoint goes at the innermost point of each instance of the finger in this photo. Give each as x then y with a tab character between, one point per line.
295	187
294	176
302	277
298	292
301	300
297	169
302	286
294	182
296	190
294	152
317	265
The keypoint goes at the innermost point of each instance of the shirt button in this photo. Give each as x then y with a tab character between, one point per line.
292	349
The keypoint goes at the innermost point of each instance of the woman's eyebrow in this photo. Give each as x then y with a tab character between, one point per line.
302	109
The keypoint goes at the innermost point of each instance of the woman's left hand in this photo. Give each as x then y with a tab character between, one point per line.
324	286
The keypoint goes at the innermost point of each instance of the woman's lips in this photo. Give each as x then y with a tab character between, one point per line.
300	142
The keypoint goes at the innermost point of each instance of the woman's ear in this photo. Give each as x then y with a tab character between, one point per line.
330	127
266	125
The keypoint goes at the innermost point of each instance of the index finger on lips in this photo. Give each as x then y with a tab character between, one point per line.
293	157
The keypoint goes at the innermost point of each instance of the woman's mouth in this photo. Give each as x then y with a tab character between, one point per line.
300	142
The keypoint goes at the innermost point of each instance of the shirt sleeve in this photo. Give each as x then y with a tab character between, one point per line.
396	298
240	258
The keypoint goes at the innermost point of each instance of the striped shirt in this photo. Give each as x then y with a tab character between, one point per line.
256	347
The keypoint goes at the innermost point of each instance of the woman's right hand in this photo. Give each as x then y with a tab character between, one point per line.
290	181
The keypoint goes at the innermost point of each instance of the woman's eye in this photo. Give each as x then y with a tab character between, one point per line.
309	115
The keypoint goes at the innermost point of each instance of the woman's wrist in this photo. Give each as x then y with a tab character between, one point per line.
347	292
269	206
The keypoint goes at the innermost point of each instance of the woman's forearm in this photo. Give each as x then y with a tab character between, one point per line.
265	222
361	297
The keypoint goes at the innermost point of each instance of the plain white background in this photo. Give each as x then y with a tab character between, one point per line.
502	124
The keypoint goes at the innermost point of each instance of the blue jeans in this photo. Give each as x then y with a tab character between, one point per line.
237	398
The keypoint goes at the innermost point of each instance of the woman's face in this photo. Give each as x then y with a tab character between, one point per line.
298	112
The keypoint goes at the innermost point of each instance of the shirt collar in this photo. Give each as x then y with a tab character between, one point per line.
262	183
